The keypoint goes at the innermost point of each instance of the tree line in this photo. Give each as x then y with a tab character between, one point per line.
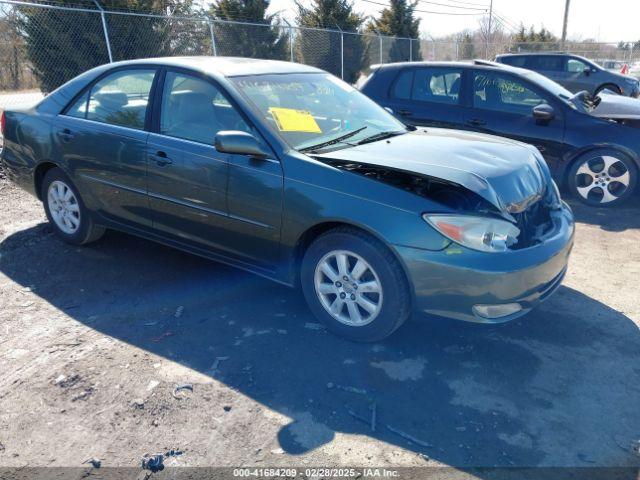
59	44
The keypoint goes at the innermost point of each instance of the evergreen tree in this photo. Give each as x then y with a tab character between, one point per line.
62	44
467	50
398	21
322	49
249	40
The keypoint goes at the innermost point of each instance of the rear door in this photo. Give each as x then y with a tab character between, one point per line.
102	140
502	104
428	96
551	66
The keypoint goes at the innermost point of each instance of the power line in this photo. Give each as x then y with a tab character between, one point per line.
505	23
427	11
506	20
450	6
470	3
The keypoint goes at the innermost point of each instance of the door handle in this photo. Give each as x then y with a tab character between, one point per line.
476	122
161	158
66	135
404	113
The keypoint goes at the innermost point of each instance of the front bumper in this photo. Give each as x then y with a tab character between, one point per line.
453	281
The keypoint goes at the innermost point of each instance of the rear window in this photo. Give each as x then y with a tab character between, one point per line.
547	63
514	61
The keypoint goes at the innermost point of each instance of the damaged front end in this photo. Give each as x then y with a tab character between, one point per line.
616	108
466	217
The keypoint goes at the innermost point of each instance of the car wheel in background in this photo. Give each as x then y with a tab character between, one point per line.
65	210
603	178
354	285
609	86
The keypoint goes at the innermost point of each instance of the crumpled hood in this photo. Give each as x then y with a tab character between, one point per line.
508	174
617	107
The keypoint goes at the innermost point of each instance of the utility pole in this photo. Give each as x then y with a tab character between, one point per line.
486	49
564	23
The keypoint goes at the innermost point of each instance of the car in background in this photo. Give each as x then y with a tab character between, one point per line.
573	72
592	146
288	172
614	66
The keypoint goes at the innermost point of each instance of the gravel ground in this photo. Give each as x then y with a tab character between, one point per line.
95	340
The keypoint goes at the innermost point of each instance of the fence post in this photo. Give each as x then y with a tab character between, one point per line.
341	54
213	38
290	39
380	43
105	30
457	51
411	49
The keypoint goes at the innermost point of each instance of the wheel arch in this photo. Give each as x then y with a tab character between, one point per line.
307	237
608	84
39	173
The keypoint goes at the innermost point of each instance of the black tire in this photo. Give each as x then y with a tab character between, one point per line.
577	181
87	231
610	86
395	300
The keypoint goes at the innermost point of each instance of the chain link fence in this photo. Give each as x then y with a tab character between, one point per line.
44	45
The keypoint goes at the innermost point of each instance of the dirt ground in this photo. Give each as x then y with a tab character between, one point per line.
94	342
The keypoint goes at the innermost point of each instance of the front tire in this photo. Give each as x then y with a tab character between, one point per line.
354	285
603	178
608	86
66	212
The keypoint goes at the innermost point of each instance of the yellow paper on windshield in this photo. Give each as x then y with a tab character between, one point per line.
291	120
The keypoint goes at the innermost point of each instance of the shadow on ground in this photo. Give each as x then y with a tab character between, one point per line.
559	387
616	219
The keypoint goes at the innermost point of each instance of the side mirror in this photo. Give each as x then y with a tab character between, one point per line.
587	71
240	143
543	113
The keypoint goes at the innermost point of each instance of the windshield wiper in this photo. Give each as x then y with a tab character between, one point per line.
328	143
380	136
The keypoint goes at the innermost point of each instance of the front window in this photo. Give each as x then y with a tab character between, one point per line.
576	66
503	93
311	110
194	109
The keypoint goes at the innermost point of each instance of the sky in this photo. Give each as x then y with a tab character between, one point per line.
610	21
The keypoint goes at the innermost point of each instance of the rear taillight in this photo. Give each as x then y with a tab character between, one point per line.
3	122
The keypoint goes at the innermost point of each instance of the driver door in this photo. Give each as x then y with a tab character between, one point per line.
223	202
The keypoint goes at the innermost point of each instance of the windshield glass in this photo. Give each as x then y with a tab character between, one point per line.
574	101
311	110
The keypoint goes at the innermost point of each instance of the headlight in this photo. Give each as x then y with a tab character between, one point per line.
479	233
632	81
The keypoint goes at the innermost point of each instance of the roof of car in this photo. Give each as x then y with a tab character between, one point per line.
226	66
461	64
538	54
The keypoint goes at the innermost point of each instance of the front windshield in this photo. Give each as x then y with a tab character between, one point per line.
311	110
549	85
574	101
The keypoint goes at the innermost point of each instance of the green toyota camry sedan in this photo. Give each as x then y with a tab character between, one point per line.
288	172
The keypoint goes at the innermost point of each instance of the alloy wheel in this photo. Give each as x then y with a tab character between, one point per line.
348	288
64	207
602	179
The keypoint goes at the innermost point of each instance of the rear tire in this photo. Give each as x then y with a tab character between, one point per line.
603	178
354	285
66	212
